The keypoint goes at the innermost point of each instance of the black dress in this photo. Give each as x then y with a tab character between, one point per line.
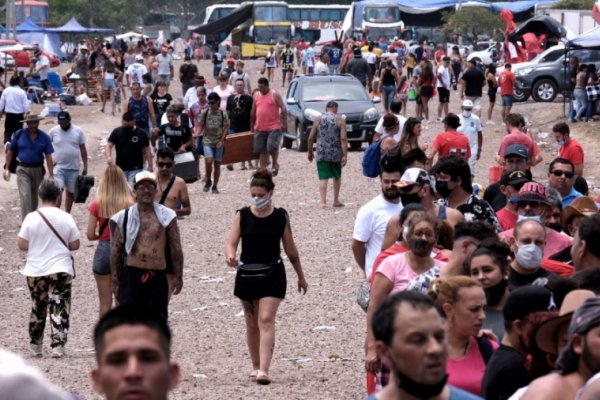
261	238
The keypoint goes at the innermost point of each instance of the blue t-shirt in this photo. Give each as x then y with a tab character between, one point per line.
455	394
32	152
335	56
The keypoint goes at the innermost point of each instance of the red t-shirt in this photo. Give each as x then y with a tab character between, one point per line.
452	143
518	137
572	151
93	208
506	81
507	219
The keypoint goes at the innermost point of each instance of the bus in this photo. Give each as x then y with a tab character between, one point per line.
318	23
373	21
268	26
37	10
212	14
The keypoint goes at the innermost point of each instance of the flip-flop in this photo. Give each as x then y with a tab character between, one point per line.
275	170
338	204
253	374
262	378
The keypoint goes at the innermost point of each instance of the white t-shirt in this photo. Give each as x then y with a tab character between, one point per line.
370	224
66	146
46	254
191	96
321	68
445	73
136	71
401	120
43	65
469	127
164	64
370	56
224	93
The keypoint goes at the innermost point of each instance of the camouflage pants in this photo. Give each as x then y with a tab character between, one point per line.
53	292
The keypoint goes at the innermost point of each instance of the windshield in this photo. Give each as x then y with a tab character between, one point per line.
339	91
271	34
384	14
388	33
271	13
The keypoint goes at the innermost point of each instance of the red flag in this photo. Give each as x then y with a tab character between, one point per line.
596	12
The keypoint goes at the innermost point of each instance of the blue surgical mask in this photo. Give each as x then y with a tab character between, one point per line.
261	202
533	217
529	256
561	143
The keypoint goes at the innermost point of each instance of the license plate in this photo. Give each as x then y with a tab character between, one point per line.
348	128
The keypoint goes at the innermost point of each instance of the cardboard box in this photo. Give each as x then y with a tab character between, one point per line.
185	167
238	148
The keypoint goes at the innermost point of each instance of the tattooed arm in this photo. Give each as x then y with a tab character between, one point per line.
174	241
116	255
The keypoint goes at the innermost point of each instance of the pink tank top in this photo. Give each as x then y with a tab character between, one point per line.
267	112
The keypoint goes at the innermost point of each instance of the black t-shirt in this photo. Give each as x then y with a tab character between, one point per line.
239	108
129	144
517	280
494	196
474	80
563	256
175	136
188	71
161	103
505	374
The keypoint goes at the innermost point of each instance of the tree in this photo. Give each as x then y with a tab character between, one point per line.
574	5
472	22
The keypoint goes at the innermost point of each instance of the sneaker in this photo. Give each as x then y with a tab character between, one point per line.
36	350
58	352
215	190
207	186
490	122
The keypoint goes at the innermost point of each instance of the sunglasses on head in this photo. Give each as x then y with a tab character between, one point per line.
164	164
558	172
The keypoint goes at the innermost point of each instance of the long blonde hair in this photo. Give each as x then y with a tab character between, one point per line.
113	193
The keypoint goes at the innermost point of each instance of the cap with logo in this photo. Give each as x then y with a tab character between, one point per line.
517	150
533	191
415	176
467	105
63	116
514	178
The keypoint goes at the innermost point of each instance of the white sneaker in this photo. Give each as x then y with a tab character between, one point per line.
490	122
36	350
58	352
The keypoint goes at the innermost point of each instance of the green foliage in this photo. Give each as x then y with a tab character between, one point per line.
574	5
472	22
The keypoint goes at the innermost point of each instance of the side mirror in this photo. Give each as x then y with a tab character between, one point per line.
291	100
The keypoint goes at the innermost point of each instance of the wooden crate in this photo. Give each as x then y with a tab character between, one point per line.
238	148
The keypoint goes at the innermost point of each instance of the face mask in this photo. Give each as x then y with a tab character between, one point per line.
442	188
495	293
561	142
420	247
419	390
261	202
533	217
409	198
466	113
555	226
514	199
529	256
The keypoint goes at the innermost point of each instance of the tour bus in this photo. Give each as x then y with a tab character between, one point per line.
318	23
373	20
37	10
268	25
213	13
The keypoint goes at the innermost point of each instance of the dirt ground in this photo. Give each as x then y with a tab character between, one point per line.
320	336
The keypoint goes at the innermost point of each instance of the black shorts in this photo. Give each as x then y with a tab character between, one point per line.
144	288
492	96
273	285
444	94
426	91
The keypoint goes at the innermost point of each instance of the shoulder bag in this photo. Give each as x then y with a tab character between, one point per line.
63	241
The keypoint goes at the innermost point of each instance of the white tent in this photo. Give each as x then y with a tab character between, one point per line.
128	36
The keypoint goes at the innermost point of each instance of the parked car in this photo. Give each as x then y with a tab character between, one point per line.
484	56
307	97
6	61
23	58
544	77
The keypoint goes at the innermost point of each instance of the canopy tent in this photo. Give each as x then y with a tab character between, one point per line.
519	6
128	35
589	39
29	32
226	24
74	27
29	26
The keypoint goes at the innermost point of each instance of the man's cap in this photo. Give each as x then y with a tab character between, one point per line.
32	118
128	117
526	300
517	150
231	60
546	336
139	57
533	191
144	176
467	104
514	178
63	116
580	207
415	176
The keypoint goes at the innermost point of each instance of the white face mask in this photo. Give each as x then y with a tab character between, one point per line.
261	202
466	113
533	217
529	256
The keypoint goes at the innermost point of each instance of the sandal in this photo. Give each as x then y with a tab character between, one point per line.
253	374
262	378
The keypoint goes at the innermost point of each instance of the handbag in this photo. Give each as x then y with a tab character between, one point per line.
593	91
256	271
363	295
412	94
63	241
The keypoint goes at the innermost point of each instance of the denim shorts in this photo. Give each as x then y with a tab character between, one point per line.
507	101
66	178
101	262
109	84
213	152
265	141
198	146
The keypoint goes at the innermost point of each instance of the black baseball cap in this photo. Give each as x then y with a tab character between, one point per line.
63	116
514	178
517	150
526	300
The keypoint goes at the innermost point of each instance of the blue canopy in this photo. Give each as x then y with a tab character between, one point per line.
75	27
590	39
29	26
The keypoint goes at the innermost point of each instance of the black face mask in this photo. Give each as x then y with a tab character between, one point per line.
494	294
442	188
419	390
420	247
410	198
556	227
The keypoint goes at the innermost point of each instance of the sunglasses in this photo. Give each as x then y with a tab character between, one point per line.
558	172
164	164
531	204
148	186
409	188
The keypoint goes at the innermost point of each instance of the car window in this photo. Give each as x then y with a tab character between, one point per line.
292	89
551	56
587	55
339	91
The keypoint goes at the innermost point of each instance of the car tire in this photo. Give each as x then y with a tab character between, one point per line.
520	95
301	139
287	142
544	90
355	145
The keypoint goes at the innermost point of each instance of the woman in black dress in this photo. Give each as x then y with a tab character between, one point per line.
260	282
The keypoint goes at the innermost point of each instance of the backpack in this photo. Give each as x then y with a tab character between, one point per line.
371	159
206	116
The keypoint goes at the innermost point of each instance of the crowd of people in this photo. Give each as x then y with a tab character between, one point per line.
468	292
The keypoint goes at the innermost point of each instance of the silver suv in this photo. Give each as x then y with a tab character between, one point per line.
544	77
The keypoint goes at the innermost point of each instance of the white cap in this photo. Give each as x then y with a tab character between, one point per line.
139	57
467	104
144	176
